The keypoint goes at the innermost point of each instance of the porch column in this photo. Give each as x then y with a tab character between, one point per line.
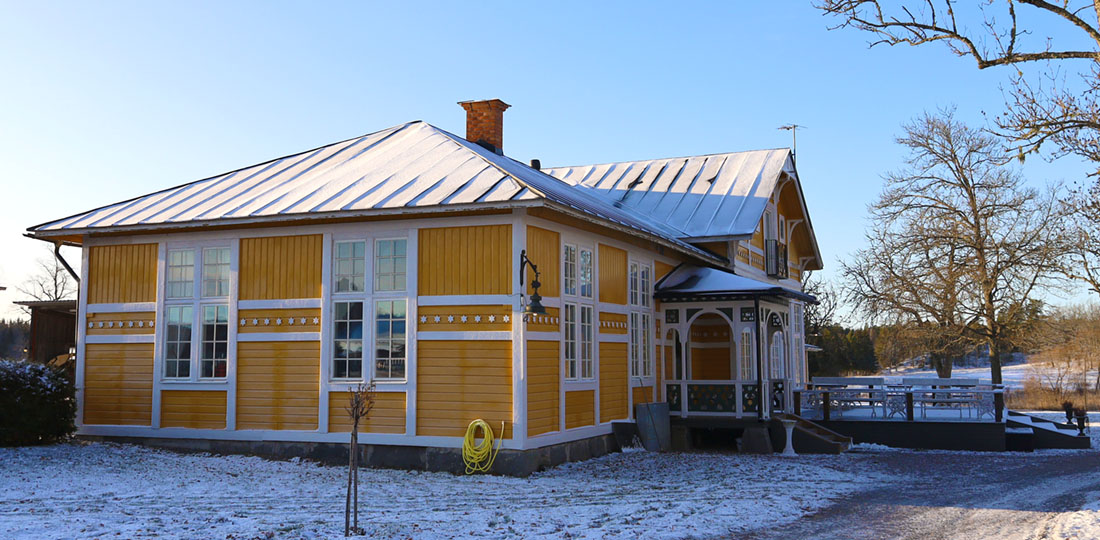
759	361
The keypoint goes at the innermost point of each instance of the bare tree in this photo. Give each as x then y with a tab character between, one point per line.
360	404
1082	238
958	245
50	281
824	312
1045	111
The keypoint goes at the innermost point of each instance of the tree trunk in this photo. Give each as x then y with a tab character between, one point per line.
347	498
994	362
943	365
355	476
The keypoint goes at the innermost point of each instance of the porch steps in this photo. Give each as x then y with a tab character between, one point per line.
1047	433
811	438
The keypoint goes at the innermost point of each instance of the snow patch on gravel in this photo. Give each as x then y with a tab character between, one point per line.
98	490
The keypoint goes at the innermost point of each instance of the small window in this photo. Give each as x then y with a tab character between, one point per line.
748	363
569	342
633	281
778	358
586	273
177	342
569	269
215	340
181	274
782	229
215	272
635	336
647	348
769	225
389	339
389	265
348	340
645	286
587	367
350	266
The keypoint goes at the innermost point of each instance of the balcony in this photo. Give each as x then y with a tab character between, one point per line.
775	259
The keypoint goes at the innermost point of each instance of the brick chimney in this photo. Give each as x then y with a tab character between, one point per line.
485	123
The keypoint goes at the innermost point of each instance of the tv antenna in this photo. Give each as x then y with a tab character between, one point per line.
793	128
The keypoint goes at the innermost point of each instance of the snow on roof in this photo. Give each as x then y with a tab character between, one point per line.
410	166
717	196
694	282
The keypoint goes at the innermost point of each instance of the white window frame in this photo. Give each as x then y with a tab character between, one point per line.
747	353
640	322
370	297
577	348
404	273
778	349
197	302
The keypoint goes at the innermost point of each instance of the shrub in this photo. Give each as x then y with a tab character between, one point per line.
37	404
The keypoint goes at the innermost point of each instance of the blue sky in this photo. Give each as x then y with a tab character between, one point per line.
101	102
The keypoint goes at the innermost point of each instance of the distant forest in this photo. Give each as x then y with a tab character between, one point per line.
13	338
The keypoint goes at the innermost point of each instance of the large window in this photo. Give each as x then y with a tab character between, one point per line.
640	350
778	358
189	355
383	263
578	312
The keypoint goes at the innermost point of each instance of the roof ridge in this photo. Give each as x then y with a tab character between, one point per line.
713	154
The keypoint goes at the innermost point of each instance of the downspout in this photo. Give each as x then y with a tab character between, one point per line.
759	361
57	255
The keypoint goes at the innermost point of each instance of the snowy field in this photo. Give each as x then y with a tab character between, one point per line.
1013	375
103	490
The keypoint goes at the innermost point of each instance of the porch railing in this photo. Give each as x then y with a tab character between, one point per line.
900	404
709	397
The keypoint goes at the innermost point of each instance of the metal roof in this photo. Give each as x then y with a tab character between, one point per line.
718	196
411	166
687	282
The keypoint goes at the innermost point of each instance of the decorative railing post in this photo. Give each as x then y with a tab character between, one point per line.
825	406
797	403
909	405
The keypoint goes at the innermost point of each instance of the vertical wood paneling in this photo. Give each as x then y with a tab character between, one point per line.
465	260
613	381
543	378
387	416
580	408
192	409
280	267
460	381
710	363
118	384
612	275
122	273
544	250
277	385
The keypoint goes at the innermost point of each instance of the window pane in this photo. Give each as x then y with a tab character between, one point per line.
180	272
586	273
389	343
215	272
349	266
215	333
347	350
389	265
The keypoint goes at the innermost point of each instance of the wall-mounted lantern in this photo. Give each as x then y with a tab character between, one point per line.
534	306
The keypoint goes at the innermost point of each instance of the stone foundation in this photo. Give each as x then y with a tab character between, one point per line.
508	462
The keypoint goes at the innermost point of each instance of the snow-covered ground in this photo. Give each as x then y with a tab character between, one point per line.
1013	375
104	490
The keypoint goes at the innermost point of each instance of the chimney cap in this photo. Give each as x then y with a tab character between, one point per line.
492	103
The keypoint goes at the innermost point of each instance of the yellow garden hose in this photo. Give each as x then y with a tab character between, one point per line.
480	457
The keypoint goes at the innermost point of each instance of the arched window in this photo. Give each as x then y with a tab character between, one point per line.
748	359
778	358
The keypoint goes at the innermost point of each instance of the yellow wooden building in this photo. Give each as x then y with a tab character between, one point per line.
235	312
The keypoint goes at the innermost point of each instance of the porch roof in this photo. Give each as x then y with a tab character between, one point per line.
689	282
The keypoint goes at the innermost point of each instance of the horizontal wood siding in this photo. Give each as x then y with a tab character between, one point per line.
118	384
580	408
460	381
613	381
543	376
387	416
465	260
280	267
643	394
612	275
192	409
122	273
277	385
661	270
612	323
543	248
710	363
